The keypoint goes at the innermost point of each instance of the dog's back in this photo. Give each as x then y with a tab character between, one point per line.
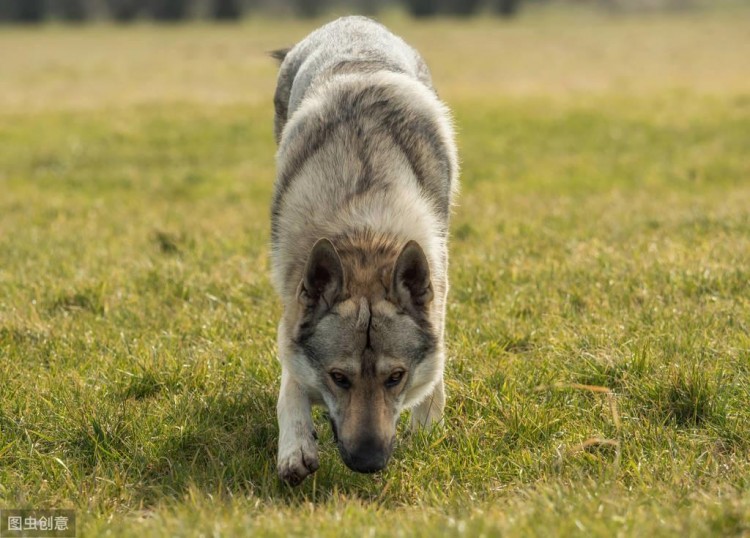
350	43
364	143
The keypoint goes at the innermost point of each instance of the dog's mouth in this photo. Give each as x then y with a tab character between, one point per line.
368	459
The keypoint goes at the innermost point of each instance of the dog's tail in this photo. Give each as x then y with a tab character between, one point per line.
280	54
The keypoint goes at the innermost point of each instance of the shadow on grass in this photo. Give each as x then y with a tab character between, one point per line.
225	444
229	449
222	445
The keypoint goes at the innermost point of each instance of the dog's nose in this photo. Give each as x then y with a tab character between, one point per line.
368	456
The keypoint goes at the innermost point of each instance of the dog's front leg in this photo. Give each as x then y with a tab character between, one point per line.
298	449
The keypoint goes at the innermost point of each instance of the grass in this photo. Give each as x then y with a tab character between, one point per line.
598	333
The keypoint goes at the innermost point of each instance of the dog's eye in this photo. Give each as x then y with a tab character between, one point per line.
395	379
341	380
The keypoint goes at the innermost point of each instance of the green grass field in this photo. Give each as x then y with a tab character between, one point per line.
599	317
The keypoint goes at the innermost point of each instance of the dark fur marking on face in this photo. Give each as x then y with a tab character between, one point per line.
427	340
322	337
369	363
369	328
303	338
415	342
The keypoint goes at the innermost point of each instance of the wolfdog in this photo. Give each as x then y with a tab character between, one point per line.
366	173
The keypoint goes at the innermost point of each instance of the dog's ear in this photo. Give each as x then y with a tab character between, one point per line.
411	286
324	275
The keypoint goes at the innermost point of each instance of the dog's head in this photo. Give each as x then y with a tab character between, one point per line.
364	327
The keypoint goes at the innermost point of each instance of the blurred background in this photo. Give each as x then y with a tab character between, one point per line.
34	11
73	54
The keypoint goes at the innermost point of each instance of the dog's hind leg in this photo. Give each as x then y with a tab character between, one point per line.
429	413
298	449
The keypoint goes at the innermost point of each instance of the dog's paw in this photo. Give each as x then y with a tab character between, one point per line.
298	461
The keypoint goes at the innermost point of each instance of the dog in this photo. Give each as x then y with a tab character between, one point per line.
367	170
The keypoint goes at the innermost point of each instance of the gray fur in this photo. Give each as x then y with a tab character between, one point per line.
349	43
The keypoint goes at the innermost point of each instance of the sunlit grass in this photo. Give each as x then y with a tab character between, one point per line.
599	372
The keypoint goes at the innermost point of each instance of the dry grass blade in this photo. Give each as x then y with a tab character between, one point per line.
577	386
594	442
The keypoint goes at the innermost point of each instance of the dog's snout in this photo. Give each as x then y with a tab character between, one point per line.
367	456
